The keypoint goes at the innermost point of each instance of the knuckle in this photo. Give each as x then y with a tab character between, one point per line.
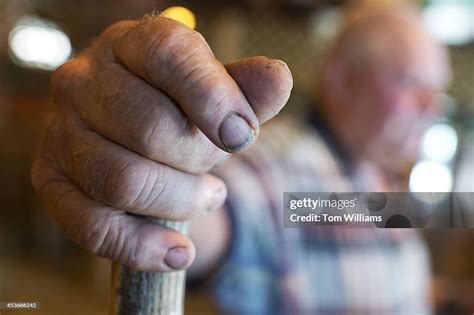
199	38
124	182
117	27
134	253
161	192
98	236
111	35
109	238
210	88
165	46
65	80
149	135
121	243
172	46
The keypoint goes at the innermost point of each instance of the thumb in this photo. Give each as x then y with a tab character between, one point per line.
266	83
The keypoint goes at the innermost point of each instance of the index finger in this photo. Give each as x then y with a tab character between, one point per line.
178	61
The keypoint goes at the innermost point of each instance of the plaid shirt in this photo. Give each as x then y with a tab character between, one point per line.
326	270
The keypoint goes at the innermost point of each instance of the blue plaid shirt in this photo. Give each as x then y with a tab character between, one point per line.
325	270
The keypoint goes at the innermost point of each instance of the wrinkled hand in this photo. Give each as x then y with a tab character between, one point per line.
140	118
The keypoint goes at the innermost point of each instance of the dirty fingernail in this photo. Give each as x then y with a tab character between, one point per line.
235	133
177	257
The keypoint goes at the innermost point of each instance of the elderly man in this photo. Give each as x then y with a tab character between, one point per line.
146	115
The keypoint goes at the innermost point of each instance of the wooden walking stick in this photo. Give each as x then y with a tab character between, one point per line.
148	293
152	293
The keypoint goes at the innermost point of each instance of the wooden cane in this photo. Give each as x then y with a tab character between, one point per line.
148	293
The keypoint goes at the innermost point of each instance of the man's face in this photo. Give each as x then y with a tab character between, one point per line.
393	102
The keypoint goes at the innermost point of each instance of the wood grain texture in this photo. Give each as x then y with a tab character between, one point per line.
148	293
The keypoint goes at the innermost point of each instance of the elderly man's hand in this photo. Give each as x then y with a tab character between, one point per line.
141	117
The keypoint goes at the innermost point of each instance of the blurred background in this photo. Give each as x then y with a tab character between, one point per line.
36	36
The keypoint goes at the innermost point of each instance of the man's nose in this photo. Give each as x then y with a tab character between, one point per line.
428	98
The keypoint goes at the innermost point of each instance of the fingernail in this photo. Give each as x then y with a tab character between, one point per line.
235	133
177	257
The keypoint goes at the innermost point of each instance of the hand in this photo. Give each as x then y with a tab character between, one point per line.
140	118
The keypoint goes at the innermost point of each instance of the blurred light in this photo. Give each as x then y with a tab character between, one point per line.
181	14
450	22
36	43
429	176
439	143
326	23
